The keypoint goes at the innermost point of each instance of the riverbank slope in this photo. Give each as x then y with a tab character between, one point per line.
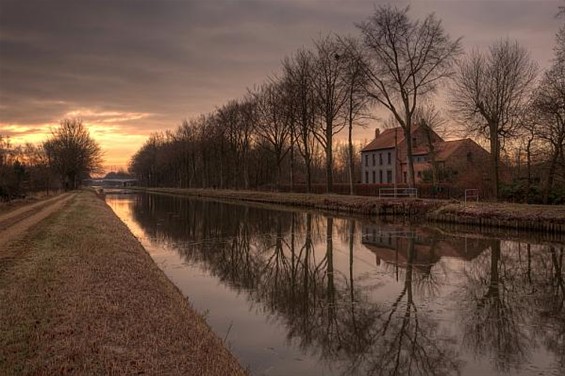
79	295
544	218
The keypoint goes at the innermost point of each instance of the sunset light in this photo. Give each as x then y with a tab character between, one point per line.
282	187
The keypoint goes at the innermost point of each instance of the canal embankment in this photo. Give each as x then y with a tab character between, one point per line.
80	295
520	217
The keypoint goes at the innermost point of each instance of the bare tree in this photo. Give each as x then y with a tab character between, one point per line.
271	124
528	143
407	60
331	93
298	71
72	153
237	121
550	105
357	101
490	92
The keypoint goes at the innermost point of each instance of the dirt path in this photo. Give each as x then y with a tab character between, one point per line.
16	222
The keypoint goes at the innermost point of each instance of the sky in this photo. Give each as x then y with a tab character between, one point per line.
129	68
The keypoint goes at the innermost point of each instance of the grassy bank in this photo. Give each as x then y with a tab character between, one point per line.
544	218
79	295
331	202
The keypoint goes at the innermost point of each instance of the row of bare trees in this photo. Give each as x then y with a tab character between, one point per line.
22	168
298	113
278	132
500	99
281	131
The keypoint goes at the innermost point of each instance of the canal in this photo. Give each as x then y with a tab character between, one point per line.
304	293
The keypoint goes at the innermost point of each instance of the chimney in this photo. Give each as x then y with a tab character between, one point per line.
377	132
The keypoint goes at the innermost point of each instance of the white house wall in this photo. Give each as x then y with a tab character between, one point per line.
386	170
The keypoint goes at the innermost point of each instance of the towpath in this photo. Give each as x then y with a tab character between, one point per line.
18	221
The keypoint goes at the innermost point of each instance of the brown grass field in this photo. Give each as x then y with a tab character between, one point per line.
79	295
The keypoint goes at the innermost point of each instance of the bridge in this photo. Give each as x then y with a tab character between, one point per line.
110	182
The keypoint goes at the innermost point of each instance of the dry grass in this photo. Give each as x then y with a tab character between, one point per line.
83	297
507	211
6	207
337	203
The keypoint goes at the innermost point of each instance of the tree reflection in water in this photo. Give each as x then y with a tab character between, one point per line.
285	262
549	298
491	314
405	340
506	300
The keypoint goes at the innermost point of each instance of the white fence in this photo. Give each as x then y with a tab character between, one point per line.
398	192
471	195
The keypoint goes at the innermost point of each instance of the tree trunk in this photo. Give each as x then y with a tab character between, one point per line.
329	158
308	176
350	144
292	163
432	153
528	169
409	159
550	175
279	173
495	156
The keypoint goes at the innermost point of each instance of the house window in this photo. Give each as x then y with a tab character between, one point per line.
366	159
381	176
366	177
389	176
381	159
373	159
389	157
405	176
419	174
374	180
414	142
469	157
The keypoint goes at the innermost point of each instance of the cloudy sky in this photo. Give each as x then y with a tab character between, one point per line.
132	67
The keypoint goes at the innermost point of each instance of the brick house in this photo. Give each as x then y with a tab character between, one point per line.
384	160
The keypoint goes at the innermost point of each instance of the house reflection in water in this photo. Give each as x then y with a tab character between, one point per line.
420	247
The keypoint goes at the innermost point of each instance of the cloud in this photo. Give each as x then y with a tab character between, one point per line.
154	63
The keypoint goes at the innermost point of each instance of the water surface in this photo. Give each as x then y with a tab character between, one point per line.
303	293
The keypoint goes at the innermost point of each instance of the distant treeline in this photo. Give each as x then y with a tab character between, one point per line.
283	131
60	162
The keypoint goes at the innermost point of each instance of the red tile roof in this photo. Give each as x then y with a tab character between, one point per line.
445	149
386	140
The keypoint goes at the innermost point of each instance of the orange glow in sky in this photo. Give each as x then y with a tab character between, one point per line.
114	131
